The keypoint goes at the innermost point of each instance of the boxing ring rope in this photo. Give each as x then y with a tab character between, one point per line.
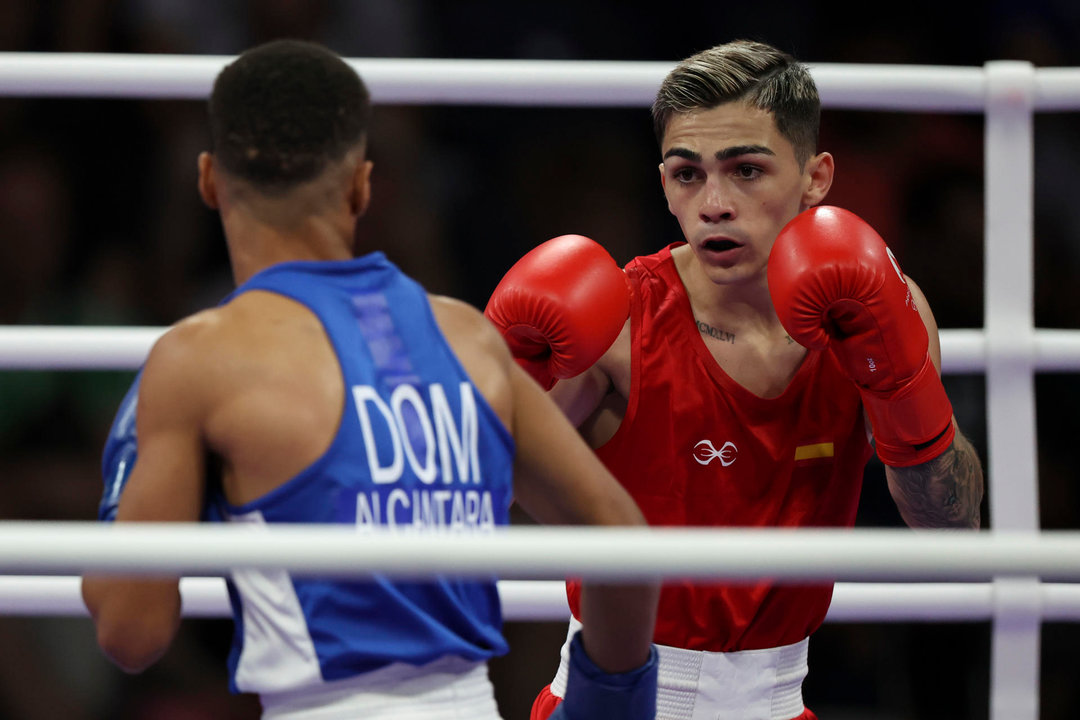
545	600
1009	349
29	347
551	553
608	554
569	83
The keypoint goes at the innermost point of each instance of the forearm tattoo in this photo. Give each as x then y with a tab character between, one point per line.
943	492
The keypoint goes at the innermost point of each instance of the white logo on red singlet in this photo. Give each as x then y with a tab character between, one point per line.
705	452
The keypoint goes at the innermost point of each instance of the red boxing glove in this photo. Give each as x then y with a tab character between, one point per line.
560	307
835	284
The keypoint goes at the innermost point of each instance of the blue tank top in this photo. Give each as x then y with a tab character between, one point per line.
418	448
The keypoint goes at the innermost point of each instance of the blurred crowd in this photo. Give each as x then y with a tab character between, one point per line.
101	225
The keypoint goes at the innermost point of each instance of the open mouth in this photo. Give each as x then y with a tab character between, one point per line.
720	245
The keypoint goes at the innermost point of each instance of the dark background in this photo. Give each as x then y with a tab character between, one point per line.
100	224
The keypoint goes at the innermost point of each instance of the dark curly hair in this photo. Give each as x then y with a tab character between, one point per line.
282	111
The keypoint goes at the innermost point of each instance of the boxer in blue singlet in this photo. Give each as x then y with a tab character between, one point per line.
330	388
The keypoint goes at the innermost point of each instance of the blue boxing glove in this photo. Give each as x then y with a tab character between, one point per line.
118	457
593	693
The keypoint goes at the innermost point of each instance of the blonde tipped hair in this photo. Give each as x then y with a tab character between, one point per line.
744	71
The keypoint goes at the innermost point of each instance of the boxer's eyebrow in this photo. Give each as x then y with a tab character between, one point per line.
683	153
725	154
738	150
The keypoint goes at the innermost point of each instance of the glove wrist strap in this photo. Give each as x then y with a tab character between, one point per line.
913	423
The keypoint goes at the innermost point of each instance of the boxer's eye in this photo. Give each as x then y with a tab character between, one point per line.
685	174
748	172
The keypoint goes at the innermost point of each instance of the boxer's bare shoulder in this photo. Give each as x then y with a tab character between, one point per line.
479	348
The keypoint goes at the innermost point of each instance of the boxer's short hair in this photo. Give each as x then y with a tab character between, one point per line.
747	71
285	110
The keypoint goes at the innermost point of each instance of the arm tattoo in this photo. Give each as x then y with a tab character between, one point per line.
943	492
712	332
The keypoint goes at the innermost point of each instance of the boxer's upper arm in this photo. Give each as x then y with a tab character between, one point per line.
167	483
137	618
557	477
580	396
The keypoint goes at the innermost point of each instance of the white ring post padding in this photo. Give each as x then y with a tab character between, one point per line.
539	553
1009	309
61	347
540	600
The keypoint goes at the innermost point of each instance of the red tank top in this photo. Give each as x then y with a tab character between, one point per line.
696	448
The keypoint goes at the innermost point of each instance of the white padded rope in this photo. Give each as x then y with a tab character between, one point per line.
75	348
539	600
540	553
577	83
24	347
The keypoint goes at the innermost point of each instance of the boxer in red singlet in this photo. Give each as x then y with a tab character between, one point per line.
760	364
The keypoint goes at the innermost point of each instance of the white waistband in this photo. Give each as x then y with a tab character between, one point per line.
696	685
449	688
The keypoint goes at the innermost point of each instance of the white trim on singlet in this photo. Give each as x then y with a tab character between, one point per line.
278	652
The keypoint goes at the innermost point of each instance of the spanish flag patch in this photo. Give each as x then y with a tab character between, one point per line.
813	452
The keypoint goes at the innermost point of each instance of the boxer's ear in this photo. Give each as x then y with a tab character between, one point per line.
207	181
818	175
361	192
